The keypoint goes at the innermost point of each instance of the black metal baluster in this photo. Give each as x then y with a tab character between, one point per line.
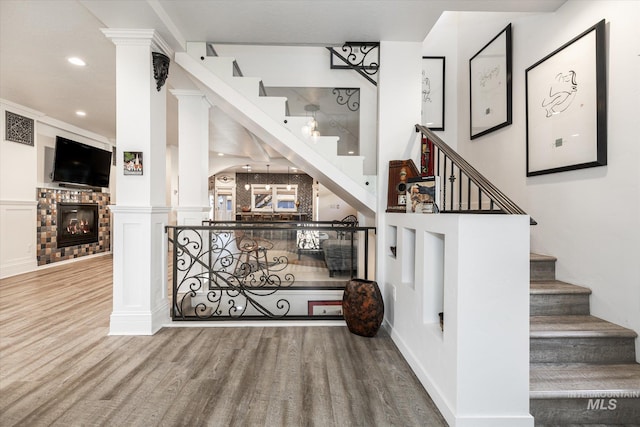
444	185
469	193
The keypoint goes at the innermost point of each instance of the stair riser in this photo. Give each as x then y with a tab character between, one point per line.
582	350
603	411
559	305
542	270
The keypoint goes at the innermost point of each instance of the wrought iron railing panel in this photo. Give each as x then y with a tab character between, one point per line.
231	270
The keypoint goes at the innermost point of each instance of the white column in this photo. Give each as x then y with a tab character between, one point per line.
193	156
140	303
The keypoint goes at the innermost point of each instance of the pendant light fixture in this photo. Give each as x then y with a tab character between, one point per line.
288	181
246	185
311	127
268	186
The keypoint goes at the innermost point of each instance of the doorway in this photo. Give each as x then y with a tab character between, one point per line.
224	204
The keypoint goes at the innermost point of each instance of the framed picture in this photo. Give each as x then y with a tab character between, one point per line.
490	85
261	198
566	104
423	195
325	308
433	92
132	162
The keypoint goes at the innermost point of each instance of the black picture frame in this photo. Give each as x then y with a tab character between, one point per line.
433	92
490	86
132	162
566	106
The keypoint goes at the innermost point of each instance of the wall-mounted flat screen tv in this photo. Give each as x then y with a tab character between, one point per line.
77	163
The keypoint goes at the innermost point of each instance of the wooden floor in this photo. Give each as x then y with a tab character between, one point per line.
58	366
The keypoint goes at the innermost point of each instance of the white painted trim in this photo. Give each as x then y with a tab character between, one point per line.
139	209
25	111
4	202
15	268
193	209
256	324
139	322
58	124
168	22
72	260
141	37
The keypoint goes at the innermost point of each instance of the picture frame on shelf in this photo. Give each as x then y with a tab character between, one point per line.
490	85
566	106
433	79
423	195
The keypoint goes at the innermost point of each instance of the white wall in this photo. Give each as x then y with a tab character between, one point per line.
399	88
442	41
589	219
309	66
474	269
17	197
22	171
332	207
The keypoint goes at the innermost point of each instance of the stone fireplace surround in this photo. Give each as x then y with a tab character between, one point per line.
47	248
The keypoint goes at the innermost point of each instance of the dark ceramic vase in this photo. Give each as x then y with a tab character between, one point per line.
363	307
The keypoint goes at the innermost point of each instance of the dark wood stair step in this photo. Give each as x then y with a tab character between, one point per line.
556	298
579	339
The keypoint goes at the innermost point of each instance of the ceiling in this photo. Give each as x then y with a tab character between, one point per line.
36	38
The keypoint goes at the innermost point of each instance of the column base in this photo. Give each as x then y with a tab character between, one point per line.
139	322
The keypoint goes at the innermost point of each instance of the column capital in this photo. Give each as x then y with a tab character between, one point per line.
185	93
137	37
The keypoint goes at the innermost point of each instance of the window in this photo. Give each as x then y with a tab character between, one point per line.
286	199
275	199
261	198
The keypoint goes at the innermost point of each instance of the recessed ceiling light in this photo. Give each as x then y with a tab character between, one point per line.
350	152
76	61
220	154
80	113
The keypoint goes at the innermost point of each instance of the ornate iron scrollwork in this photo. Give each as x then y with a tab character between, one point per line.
348	96
160	68
227	274
363	57
19	128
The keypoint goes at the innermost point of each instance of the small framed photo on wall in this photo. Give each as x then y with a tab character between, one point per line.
133	162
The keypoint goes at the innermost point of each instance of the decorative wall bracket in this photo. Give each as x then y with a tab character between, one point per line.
363	57
160	68
348	96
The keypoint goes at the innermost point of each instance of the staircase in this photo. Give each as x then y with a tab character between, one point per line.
583	369
242	98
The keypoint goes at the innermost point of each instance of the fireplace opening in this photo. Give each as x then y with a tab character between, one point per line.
77	224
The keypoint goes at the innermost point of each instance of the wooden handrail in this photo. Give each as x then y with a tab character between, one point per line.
504	203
